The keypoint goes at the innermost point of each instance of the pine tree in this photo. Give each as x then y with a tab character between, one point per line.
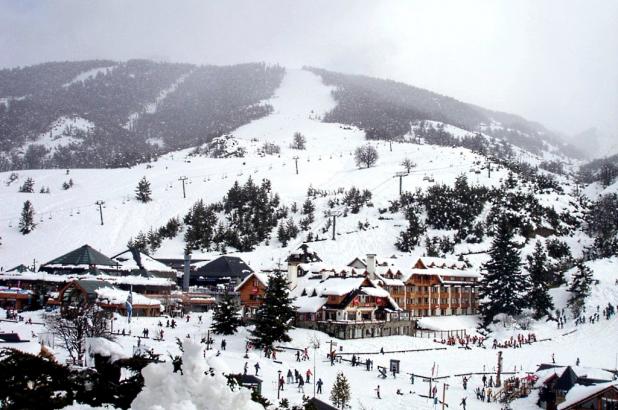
580	288
273	318
27	186
225	318
409	239
26	223
282	234
340	393
539	297
502	288
143	192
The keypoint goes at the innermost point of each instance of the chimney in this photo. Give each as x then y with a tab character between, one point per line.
187	273
292	275
371	265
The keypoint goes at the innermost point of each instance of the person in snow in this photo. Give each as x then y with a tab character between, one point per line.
553	358
246	367
484	380
577	362
465	383
382	350
290	377
319	383
281	383
223	344
301	385
378	392
463	403
308	374
257	368
298	355
411	378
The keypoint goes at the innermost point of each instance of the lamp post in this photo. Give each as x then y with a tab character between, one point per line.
278	385
315	343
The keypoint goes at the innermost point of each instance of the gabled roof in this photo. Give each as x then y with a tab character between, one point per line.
84	255
224	266
580	394
91	286
261	277
320	405
19	268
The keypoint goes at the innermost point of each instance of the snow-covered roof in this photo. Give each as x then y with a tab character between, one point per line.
309	304
105	348
442	262
4	289
376	292
262	277
117	296
339	286
441	272
126	260
116	280
579	393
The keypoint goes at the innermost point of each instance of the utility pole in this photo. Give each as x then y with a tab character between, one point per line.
499	371
100	203
400	175
296	161
334	215
444	387
488	168
184	192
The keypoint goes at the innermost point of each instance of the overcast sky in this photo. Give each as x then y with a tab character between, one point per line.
551	61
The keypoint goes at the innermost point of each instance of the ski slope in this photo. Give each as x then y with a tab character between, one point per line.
68	219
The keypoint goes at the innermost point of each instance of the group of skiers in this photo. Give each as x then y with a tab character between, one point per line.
515	342
464	342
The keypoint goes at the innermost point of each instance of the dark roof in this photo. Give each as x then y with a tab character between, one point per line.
84	255
320	405
247	379
224	266
305	257
566	380
19	268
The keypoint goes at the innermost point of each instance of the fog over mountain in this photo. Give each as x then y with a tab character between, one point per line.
554	62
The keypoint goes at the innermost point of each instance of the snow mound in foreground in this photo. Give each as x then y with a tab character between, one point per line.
192	390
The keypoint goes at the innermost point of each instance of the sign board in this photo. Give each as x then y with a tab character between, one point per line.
394	367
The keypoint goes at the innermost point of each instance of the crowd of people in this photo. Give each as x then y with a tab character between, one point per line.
515	341
464	341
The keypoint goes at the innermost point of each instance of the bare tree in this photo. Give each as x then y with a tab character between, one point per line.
408	164
76	324
365	156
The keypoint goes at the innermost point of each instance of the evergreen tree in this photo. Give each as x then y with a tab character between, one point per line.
409	238
503	287
143	192
282	234
340	393
299	141
200	221
580	288
26	223
27	186
225	318
539	297
273	318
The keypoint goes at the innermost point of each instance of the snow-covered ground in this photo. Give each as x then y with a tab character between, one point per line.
594	344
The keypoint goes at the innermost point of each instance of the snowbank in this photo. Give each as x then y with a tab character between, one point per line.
105	348
192	390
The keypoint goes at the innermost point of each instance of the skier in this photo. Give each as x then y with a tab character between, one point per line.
298	355
378	391
484	380
465	383
281	383
246	367
382	350
319	384
257	368
290	377
301	385
411	379
463	403
223	344
577	362
553	358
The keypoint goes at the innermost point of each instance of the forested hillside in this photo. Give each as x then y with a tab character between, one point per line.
107	114
388	110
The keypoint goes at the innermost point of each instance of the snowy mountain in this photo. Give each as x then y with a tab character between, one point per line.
68	218
111	114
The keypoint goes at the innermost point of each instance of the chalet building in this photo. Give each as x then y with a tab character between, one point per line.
106	296
12	298
601	396
229	270
433	287
556	383
251	291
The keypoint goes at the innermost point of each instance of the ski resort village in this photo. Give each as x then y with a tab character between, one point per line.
180	236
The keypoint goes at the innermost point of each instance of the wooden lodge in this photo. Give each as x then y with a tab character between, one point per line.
106	296
602	396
